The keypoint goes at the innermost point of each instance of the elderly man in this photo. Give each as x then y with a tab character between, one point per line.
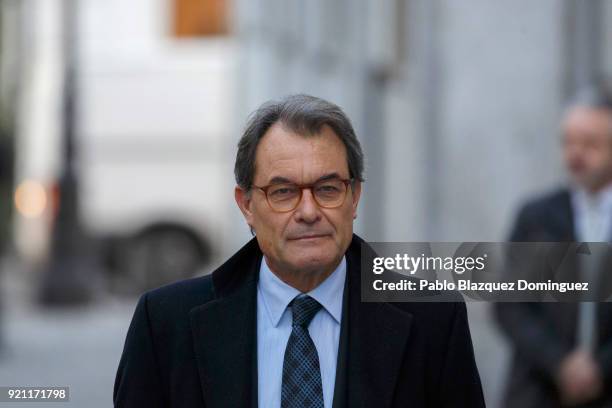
281	323
563	351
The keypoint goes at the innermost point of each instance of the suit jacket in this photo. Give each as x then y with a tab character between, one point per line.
193	344
544	333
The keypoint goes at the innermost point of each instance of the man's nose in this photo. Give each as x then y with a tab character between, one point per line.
307	209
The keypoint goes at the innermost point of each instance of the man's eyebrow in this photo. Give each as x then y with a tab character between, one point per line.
283	180
280	179
330	176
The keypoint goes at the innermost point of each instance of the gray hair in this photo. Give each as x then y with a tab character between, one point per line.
596	95
303	114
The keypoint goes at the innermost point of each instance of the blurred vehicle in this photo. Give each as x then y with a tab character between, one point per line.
153	102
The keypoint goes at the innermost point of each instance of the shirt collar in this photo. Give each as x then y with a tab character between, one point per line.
277	294
602	199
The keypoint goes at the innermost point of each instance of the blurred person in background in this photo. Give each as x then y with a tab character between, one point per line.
281	323
563	351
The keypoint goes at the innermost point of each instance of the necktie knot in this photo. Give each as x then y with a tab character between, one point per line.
304	308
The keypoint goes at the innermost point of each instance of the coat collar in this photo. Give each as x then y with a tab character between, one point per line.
377	336
563	216
225	334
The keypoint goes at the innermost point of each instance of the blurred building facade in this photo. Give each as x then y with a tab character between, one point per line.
456	104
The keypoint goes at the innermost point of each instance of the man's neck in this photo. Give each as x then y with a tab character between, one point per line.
594	191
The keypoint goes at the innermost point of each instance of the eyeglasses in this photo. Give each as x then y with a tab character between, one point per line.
285	197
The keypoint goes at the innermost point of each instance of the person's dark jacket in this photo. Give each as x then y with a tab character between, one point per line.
543	334
193	344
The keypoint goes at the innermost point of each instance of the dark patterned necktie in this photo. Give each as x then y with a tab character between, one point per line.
302	386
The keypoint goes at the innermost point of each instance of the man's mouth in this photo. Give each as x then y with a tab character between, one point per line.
307	237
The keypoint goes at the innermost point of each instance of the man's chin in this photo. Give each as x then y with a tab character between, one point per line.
591	183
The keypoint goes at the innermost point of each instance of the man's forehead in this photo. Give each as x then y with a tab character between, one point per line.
583	116
285	153
281	135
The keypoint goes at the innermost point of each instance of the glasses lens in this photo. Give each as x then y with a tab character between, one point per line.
283	197
330	193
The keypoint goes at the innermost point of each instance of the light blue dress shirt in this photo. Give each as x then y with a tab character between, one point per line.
592	215
592	223
274	320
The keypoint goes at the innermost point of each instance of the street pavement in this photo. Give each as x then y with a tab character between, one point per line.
77	347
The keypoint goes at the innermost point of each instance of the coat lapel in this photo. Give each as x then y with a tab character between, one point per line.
224	335
378	335
563	213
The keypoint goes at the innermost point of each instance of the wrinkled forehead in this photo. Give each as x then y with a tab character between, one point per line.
587	120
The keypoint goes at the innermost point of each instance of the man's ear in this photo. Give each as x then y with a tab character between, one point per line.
243	199
356	195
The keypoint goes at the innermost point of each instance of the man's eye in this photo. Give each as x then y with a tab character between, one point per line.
328	188
282	191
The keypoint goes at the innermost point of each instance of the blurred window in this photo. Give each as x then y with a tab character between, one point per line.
199	18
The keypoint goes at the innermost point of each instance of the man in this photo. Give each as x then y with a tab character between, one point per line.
563	351
281	323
